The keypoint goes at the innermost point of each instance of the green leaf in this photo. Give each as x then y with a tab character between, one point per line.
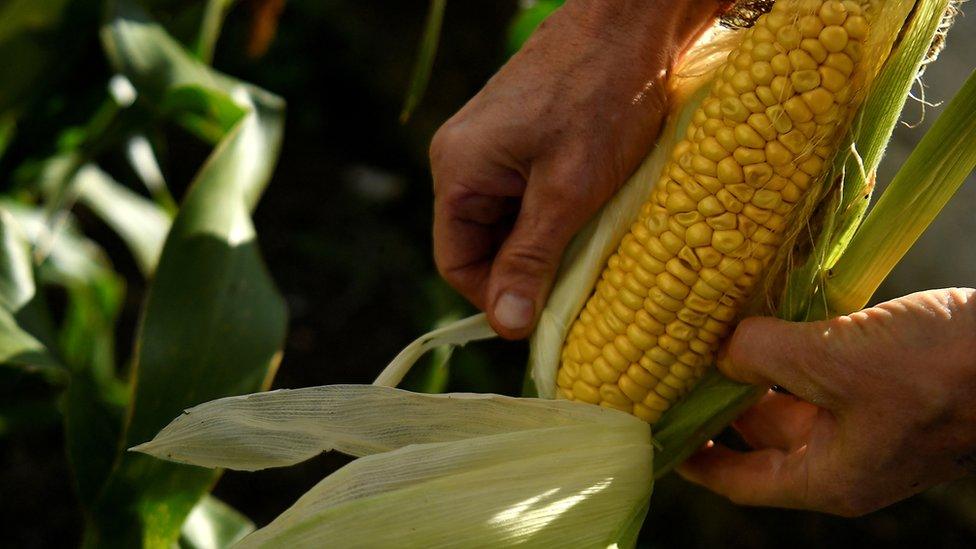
714	403
23	353
213	323
425	58
205	112
92	403
213	20
213	525
527	20
66	256
93	411
16	270
138	221
142	158
21	16
67	259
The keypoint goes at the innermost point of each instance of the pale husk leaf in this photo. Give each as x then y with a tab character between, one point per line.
440	470
544	487
285	427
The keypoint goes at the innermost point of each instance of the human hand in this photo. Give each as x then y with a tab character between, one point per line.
522	167
886	411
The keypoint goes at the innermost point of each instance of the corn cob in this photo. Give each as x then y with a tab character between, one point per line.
756	145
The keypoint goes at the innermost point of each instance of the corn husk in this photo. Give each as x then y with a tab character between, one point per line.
437	469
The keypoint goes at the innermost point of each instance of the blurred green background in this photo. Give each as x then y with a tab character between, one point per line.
344	228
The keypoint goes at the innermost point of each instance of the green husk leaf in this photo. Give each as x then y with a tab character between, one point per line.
861	154
922	187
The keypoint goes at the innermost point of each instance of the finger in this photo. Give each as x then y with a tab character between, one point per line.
767	477
484	210
526	264
798	356
777	421
471	219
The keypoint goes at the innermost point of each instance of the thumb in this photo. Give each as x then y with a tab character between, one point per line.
802	357
524	268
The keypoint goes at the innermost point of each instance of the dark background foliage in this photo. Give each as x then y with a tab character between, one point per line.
345	230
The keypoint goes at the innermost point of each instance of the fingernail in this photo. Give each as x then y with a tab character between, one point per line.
514	311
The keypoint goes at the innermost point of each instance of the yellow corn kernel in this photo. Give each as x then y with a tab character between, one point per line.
758	143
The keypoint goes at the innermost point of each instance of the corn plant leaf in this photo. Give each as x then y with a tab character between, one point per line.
205	112
22	352
71	261
425	58
16	269
210	26
140	153
455	469
213	323
213	525
85	343
140	223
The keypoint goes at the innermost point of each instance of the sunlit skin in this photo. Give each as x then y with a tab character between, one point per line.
526	162
883	406
883	398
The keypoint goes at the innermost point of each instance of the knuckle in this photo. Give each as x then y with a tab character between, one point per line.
826	352
446	139
530	257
